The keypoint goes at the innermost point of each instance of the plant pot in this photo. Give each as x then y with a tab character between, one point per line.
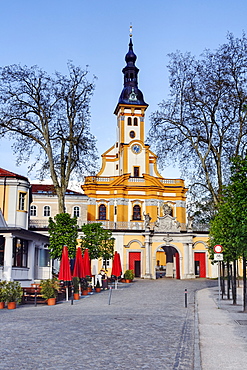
2	305
127	281
76	296
51	301
11	305
84	292
89	289
97	290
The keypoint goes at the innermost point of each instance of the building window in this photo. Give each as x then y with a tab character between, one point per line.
136	171
33	211
47	211
102	212
136	212
22	198
116	166
44	258
135	122
129	121
20	251
132	134
2	244
76	211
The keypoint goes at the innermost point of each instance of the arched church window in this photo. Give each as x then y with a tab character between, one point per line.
102	212
136	212
135	122
129	121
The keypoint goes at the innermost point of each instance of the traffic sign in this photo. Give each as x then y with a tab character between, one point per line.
218	256
218	248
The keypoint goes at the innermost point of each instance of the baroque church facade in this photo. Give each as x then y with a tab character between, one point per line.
146	212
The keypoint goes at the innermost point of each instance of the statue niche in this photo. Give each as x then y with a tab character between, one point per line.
167	222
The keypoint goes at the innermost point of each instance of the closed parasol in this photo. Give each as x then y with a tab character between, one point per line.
64	270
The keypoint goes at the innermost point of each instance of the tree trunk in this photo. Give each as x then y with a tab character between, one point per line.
228	280
244	286
223	291
234	286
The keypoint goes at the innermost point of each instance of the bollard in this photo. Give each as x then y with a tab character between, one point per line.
110	292
185	298
72	295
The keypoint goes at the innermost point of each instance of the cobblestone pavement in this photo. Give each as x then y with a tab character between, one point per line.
146	326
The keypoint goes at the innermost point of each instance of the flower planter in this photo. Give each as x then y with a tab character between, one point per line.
51	301
2	305
97	290
84	292
11	305
89	289
76	296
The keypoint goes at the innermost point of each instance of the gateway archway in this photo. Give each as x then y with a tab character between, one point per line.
167	262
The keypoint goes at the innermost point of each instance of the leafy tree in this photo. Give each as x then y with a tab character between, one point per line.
203	125
63	231
98	240
229	227
49	116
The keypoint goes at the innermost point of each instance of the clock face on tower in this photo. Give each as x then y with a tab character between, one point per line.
136	148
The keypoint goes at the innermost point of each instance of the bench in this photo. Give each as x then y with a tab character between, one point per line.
30	293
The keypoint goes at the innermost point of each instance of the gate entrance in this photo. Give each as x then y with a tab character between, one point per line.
167	263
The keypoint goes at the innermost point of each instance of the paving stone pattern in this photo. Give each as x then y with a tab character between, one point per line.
146	326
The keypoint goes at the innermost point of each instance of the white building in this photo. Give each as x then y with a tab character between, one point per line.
24	255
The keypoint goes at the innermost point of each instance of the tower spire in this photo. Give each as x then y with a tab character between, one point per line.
130	93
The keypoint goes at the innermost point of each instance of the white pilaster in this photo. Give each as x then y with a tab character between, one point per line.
8	252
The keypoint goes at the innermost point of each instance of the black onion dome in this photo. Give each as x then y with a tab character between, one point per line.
130	93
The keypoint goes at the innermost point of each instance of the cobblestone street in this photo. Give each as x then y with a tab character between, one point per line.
146	326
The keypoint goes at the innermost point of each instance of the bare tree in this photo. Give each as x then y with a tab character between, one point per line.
51	114
203	124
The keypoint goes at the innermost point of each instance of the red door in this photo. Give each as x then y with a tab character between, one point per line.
133	257
200	264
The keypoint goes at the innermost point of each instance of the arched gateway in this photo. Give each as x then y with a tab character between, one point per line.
167	262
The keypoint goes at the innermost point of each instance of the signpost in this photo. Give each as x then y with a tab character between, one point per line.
218	256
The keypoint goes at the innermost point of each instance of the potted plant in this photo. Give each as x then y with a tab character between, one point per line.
49	289
84	286
129	276
97	287
76	282
2	294
13	293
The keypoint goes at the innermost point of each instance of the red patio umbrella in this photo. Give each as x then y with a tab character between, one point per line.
79	266
116	265
87	263
64	270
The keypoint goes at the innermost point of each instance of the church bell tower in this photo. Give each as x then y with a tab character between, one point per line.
129	186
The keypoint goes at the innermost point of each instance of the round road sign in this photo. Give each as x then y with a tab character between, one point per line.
218	248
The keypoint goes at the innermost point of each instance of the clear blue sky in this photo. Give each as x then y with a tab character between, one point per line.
96	33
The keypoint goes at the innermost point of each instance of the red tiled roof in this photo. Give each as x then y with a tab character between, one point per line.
40	188
5	173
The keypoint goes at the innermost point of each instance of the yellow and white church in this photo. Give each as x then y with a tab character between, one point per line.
146	212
